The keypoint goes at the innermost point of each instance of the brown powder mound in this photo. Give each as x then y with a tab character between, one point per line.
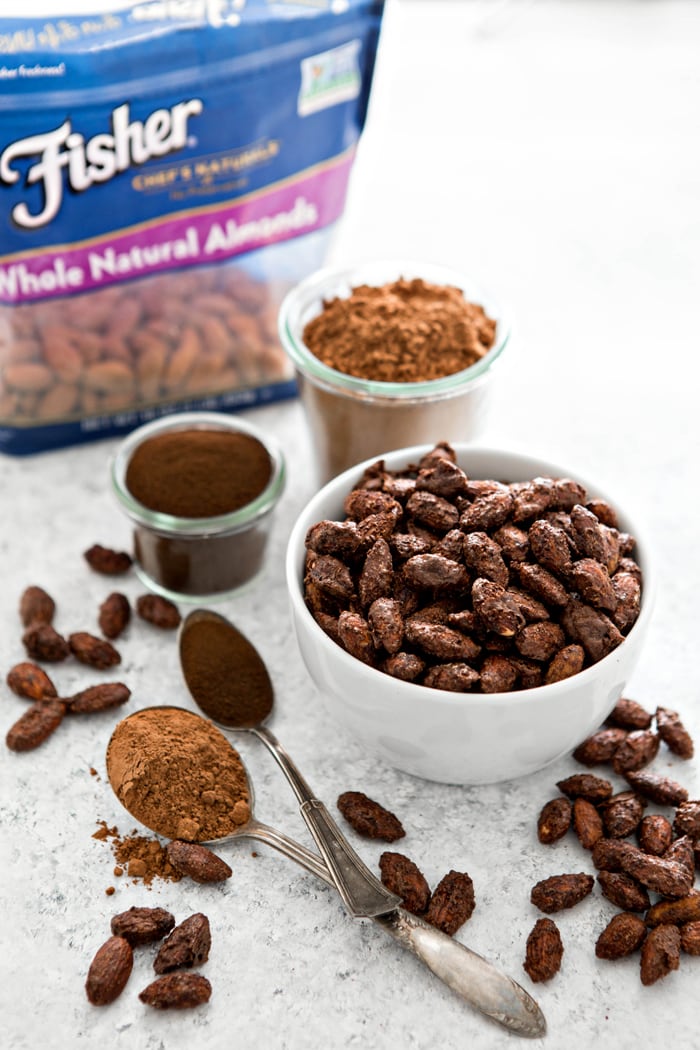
198	473
407	331
178	775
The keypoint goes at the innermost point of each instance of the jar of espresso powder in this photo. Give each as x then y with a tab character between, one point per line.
200	488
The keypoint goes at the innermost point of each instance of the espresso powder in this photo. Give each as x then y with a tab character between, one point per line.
406	331
225	673
177	774
198	473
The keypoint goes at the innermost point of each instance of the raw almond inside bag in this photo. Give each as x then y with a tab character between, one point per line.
167	170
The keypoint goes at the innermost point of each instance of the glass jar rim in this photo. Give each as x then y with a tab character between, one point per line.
220	524
293	314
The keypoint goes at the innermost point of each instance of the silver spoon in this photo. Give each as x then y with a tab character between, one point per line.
472	977
228	681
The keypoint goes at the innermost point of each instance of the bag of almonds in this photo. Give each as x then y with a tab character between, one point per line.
168	168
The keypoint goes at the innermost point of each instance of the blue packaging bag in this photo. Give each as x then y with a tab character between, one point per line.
168	168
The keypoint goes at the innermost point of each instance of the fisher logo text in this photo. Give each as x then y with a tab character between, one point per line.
99	159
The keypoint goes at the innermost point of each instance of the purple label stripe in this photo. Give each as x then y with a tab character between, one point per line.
288	209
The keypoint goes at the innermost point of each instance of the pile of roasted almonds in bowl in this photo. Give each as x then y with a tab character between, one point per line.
469	614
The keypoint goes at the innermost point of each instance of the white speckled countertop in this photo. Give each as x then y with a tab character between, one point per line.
549	149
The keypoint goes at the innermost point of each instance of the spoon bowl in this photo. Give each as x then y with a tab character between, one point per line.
225	674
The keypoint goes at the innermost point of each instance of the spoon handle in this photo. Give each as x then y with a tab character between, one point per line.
363	894
468	974
473	978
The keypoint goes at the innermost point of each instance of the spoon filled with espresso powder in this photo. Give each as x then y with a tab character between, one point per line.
178	775
228	680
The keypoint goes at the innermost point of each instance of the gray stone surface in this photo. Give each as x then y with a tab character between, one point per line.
549	150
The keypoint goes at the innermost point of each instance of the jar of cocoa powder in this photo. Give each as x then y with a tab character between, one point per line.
200	489
390	354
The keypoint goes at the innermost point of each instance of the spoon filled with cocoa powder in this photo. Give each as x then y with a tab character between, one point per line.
177	774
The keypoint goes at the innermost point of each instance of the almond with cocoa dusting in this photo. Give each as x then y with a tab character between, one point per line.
655	834
540	641
97	698
93	651
554	820
43	642
142	925
586	785
622	813
177	991
565	663
188	945
623	935
376	578
629	714
109	971
657	788
356	637
543	951
638	749
36	606
369	818
36	725
159	611
114	615
623	891
668	878
452	902
561	891
675	912
406	880
33	683
496	609
690	938
608	854
673	733
106	561
591	628
587	823
687	820
600	746
386	624
197	862
550	546
681	852
660	953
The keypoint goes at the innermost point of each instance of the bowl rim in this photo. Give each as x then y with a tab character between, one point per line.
342	483
324	282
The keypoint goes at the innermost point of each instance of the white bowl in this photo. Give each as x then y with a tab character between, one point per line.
460	738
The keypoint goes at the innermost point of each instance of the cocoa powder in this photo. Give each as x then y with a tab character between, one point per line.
140	857
177	774
405	331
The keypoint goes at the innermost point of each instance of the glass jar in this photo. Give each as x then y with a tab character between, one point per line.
198	558
352	419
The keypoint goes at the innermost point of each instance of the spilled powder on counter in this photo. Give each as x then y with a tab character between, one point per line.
138	856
